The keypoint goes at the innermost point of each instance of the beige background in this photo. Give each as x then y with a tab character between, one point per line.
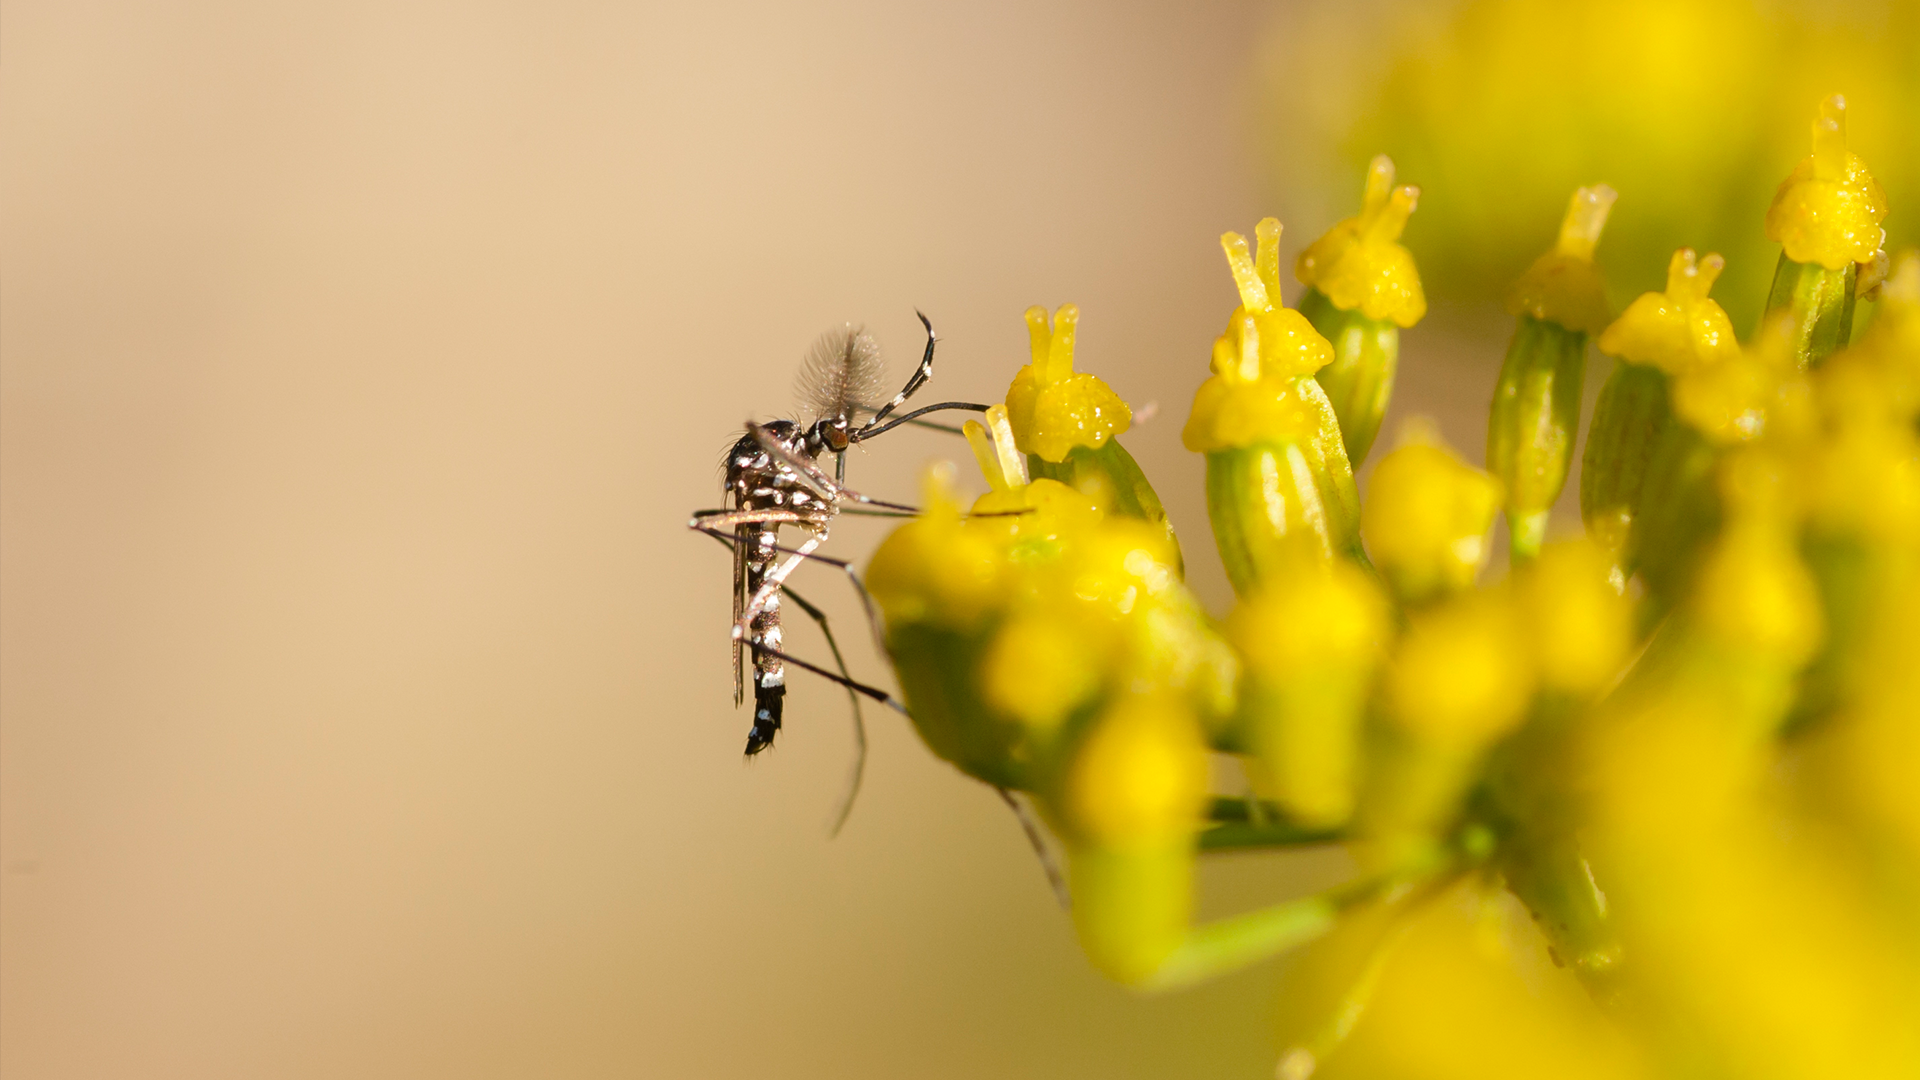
366	709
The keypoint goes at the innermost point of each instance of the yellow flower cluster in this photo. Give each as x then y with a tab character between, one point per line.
1681	748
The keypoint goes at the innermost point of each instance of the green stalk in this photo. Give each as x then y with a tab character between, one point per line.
1359	382
1629	422
1270	509
1532	424
1821	305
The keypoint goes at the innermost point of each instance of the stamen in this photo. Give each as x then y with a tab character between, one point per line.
1830	140
1267	259
1066	320
1253	294
1586	217
1039	335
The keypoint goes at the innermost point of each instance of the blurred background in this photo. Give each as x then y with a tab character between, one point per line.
364	705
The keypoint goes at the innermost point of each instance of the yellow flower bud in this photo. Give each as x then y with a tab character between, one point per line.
1039	667
1140	778
1426	518
1680	328
1334	617
1579	627
1461	675
1745	393
933	569
1310	646
1256	394
1828	211
1242	405
1360	265
1755	594
1051	408
1564	286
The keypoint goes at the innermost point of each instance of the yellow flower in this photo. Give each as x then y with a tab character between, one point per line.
1426	519
1140	777
1680	328
1828	211
1052	408
1360	263
1564	286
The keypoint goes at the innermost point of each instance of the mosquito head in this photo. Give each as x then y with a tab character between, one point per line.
830	433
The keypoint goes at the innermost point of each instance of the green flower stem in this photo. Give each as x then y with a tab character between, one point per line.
1234	942
1359	382
1246	836
1531	427
1548	873
1821	303
1237	827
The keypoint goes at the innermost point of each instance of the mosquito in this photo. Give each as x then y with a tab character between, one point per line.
774	479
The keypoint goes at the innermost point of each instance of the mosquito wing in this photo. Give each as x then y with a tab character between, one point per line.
739	605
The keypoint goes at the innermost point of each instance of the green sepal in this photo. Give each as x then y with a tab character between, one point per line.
1848	574
1629	421
1533	422
1359	381
938	672
1679	513
1821	305
1272	505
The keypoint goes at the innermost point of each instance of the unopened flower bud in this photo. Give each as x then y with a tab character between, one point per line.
1578	627
1310	648
1659	336
1426	519
1140	777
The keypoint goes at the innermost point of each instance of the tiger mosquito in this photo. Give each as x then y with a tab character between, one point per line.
773	478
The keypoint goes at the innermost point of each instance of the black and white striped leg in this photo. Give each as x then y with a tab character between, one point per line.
1055	878
914	381
845	677
867	605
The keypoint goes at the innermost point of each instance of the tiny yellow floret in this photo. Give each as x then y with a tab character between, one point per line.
1746	393
1259	391
934	569
1360	262
1050	407
1460	676
1756	593
1426	519
1332	614
1564	286
1140	778
1579	627
1038	668
1828	210
1677	329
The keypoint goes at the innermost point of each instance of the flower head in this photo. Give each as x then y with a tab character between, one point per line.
1360	263
1829	209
